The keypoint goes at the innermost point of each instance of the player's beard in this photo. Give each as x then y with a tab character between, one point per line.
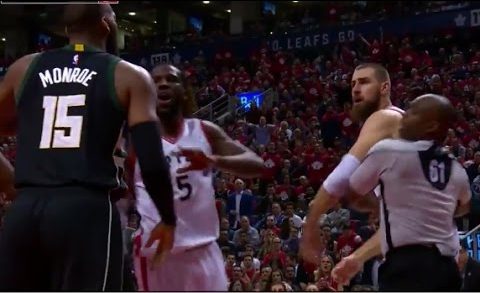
363	110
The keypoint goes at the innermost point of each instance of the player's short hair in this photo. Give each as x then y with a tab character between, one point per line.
78	17
381	73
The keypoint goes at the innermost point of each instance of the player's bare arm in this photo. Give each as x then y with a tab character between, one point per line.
8	89
380	125
228	155
136	92
6	178
464	200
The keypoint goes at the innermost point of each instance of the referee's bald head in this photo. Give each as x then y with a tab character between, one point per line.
428	118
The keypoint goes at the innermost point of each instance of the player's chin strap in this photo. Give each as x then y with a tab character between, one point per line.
337	182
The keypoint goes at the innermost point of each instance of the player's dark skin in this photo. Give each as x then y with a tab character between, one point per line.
134	88
228	155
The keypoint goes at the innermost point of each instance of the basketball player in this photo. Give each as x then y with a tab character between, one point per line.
423	188
62	232
372	107
193	148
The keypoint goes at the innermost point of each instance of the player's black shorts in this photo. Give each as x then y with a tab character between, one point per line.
62	238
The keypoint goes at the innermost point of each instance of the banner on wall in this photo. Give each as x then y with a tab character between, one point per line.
241	47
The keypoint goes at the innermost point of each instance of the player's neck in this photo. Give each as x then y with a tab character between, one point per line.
87	40
172	126
385	103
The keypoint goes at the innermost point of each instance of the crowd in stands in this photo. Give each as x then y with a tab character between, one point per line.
297	17
303	136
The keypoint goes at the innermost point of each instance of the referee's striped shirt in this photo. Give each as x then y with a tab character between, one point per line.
420	189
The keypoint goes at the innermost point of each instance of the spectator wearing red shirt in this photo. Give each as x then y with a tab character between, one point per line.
276	258
348	241
248	267
286	189
317	165
229	264
349	128
272	162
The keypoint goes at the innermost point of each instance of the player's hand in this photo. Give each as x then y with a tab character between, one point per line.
346	269
197	158
311	244
165	236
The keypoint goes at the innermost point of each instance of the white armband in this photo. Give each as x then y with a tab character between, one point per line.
337	182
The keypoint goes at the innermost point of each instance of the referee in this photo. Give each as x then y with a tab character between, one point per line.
422	189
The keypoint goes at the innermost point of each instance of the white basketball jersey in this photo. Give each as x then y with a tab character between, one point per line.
197	220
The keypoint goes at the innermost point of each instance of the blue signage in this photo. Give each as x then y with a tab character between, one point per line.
248	97
471	243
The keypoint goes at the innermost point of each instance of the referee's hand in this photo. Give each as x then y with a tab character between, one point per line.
165	236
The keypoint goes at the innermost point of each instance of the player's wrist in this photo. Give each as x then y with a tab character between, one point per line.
359	257
214	160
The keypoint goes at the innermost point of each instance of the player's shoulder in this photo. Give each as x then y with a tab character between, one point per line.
133	69
385	116
24	62
209	126
400	145
129	75
389	112
16	72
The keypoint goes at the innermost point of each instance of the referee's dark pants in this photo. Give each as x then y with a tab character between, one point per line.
418	268
61	239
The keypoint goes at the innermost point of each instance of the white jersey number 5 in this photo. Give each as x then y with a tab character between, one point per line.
56	121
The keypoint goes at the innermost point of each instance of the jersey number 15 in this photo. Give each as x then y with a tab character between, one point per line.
56	121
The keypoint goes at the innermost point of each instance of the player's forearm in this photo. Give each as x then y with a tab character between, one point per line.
322	202
369	249
246	165
6	178
155	169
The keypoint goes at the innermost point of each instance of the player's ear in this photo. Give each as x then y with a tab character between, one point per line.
385	88
432	127
105	25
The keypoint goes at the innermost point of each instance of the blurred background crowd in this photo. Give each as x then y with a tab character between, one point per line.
298	120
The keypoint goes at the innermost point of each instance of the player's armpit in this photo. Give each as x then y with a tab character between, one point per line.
462	209
231	156
380	125
365	204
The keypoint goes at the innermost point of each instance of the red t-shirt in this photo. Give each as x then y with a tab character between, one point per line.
272	164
